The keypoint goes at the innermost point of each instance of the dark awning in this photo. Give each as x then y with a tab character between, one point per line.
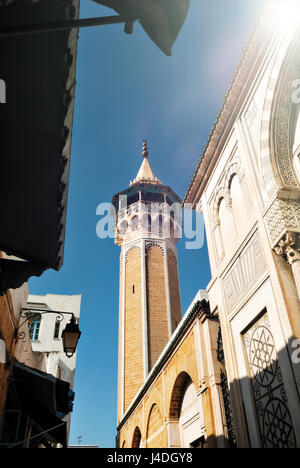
35	130
44	398
161	19
44	388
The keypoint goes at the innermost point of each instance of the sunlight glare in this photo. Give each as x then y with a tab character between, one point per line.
285	14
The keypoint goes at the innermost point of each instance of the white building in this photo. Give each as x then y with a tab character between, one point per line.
247	185
46	329
42	347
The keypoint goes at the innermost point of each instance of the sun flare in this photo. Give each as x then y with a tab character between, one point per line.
285	14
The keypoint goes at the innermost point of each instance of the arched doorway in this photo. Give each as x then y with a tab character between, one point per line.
186	414
191	424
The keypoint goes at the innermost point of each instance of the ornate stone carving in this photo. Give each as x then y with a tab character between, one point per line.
269	394
283	216
147	223
289	247
276	158
243	274
281	115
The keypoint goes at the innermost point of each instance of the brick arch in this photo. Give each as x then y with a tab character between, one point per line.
136	438
133	247
155	425
155	244
180	384
172	254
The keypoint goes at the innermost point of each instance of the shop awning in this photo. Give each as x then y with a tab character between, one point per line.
44	398
35	131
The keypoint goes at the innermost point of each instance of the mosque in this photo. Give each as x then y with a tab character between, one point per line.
226	372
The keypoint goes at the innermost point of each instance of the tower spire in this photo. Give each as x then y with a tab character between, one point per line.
145	149
145	173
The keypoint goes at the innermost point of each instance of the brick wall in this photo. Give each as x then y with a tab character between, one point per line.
158	334
7	327
155	429
174	290
120	387
134	373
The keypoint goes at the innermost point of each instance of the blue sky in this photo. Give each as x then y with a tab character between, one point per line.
128	90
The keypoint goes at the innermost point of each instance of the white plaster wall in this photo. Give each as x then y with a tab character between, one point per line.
245	140
46	343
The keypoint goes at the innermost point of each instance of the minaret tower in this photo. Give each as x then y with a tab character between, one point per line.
148	221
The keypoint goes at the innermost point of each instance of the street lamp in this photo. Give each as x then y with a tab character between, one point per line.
70	337
70	334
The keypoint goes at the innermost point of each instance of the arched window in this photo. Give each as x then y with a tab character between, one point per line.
226	226
134	223
157	225
160	225
137	437
34	327
123	228
239	209
148	223
218	236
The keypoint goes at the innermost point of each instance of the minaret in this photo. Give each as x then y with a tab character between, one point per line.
147	222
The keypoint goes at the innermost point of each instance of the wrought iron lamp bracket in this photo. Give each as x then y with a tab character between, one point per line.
28	314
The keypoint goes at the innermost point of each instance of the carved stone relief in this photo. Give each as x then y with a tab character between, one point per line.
243	274
283	216
269	394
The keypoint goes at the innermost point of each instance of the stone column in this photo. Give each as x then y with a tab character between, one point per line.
289	248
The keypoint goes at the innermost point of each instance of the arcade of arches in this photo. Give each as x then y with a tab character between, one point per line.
176	409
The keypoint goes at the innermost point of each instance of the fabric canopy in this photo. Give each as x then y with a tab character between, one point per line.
44	398
36	127
161	19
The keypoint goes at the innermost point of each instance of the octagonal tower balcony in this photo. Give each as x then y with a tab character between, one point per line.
147	208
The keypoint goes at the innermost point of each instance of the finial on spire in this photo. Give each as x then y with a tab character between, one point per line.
145	150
